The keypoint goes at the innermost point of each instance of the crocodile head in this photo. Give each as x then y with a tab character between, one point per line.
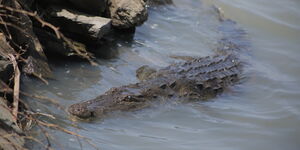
106	103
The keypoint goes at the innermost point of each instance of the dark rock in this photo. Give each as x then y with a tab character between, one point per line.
6	67
25	38
34	66
6	70
51	1
127	13
95	7
53	45
26	4
159	2
90	6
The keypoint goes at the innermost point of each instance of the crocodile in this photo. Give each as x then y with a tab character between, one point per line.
191	80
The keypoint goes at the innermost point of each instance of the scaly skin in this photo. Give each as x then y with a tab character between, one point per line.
198	79
195	79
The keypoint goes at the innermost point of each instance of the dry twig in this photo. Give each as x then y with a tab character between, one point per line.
58	34
16	91
14	58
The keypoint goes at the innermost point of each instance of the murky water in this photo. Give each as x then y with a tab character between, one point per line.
261	113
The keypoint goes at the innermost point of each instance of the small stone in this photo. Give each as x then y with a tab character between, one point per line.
126	14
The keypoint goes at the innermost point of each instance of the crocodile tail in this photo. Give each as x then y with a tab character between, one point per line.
234	39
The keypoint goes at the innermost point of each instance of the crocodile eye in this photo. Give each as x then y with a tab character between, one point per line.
218	90
200	86
140	96
172	85
92	114
163	86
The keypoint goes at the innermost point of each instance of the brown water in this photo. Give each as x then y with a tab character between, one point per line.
263	112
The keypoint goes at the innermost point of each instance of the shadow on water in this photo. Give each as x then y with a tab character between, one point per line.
108	46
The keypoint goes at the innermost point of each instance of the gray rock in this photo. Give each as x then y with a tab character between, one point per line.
6	116
34	66
127	13
7	128
82	25
9	140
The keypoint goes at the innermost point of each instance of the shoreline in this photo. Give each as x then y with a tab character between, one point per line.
32	30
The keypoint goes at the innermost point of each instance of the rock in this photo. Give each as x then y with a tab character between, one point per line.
85	26
35	65
5	48
6	70
26	3
53	45
90	6
25	38
127	13
9	131
6	67
159	2
4	88
94	7
6	115
48	2
9	140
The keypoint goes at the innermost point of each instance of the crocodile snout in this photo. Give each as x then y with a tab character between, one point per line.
80	111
